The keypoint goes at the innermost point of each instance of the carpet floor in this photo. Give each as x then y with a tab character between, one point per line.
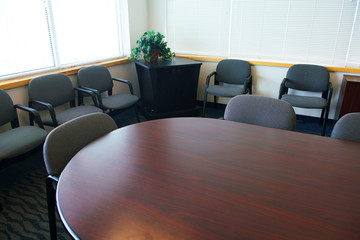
24	213
22	186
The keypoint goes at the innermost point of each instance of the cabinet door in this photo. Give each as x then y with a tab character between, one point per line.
349	98
175	88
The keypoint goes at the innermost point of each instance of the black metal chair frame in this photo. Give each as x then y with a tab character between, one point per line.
326	95
51	110
247	89
109	92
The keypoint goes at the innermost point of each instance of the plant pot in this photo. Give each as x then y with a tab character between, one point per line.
154	55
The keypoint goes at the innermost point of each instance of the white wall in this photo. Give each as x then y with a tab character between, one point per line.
266	80
150	14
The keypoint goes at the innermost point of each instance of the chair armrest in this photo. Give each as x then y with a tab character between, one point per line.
126	82
90	92
35	114
97	93
208	79
90	89
49	107
248	85
330	93
283	90
53	178
330	87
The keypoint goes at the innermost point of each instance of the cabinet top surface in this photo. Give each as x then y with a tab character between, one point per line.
170	63
351	78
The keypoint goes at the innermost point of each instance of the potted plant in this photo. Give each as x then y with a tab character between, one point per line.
152	45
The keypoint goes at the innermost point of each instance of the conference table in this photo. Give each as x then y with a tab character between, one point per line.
202	178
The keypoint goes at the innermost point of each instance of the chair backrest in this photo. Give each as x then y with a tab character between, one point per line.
307	77
7	110
347	127
66	140
97	77
259	110
233	71
55	89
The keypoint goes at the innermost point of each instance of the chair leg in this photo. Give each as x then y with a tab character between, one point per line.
137	113
322	116
204	105
215	102
326	116
50	195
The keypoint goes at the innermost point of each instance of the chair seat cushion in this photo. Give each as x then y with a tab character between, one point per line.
304	101
225	91
20	140
119	101
72	113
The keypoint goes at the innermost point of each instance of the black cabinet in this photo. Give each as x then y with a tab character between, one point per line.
349	97
168	88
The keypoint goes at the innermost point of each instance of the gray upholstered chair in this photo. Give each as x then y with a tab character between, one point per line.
310	78
19	140
63	143
347	127
262	111
98	79
52	90
231	78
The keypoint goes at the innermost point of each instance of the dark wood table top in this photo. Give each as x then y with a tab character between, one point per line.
197	178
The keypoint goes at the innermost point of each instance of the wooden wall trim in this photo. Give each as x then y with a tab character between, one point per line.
262	63
23	81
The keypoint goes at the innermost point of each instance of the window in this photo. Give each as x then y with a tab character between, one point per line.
296	31
47	34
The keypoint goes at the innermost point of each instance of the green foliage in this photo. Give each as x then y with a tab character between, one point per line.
151	40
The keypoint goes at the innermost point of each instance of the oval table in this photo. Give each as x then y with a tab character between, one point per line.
197	178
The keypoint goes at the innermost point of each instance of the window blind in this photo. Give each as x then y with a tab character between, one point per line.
198	26
45	34
24	38
295	31
86	31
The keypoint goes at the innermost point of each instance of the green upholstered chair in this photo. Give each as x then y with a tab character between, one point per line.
98	79
53	90
231	78
262	111
19	140
63	143
308	78
347	127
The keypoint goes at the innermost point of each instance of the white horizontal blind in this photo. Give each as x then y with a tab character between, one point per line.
86	30
353	56
24	38
198	26
47	34
294	31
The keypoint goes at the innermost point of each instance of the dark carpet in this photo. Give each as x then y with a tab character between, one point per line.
22	185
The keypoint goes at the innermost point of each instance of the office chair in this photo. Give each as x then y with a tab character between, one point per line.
98	80
50	91
62	144
347	127
262	111
231	78
19	140
310	78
